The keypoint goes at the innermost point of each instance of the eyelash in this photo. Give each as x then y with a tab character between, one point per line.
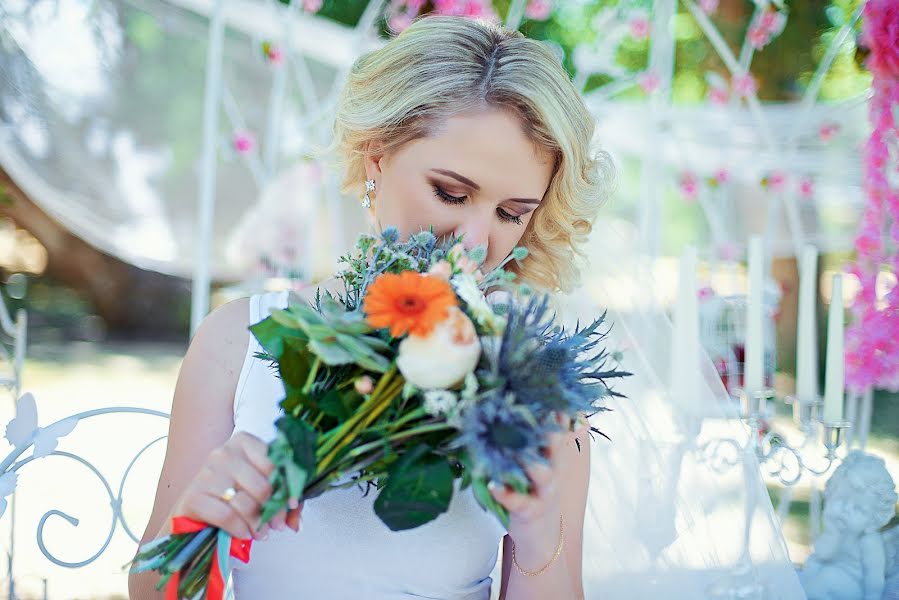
450	199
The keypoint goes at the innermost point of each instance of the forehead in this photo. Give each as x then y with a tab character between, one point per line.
491	148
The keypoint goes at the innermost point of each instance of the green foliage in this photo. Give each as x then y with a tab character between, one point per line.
419	488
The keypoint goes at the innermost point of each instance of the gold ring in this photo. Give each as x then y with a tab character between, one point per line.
228	494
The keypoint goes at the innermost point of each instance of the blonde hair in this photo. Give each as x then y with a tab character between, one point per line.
445	66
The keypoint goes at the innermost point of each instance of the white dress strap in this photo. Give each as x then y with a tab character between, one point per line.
255	417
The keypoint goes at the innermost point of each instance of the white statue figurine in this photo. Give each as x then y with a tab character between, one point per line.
850	557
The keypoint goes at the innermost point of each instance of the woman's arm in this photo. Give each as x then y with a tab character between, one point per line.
201	418
562	489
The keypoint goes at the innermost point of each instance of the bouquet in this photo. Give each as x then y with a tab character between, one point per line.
408	380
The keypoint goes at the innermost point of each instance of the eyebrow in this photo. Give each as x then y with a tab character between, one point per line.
466	181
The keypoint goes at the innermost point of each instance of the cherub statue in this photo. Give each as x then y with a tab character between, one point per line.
851	555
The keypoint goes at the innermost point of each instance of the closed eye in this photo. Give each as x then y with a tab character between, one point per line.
448	198
505	216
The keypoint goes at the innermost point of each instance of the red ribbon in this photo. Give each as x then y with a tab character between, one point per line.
215	589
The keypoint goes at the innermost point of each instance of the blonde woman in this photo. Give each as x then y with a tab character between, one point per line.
476	131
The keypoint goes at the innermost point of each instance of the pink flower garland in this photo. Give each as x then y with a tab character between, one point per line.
872	340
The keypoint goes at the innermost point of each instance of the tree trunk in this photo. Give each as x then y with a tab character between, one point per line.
129	299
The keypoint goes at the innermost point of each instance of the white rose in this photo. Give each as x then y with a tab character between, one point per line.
442	358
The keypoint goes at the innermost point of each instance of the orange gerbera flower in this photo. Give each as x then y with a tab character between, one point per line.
408	302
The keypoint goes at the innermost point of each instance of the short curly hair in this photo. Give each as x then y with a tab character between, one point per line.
444	66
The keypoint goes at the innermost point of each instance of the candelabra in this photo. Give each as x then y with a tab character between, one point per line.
783	461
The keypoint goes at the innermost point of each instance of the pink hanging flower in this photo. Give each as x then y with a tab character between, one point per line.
244	142
538	10
881	34
639	28
709	7
400	21
272	53
772	22
744	85
312	6
448	7
827	131
774	181
649	82
807	188
722	176
689	186
757	37
718	95
705	293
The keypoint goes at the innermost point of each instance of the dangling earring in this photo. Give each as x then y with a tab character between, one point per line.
369	187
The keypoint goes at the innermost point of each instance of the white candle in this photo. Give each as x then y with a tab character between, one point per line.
685	341
833	375
806	331
753	365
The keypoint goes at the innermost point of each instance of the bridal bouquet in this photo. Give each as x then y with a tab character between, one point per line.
408	380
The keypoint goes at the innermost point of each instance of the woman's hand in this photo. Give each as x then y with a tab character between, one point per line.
535	516
241	463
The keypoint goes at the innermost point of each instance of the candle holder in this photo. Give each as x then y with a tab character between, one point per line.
784	462
833	433
805	412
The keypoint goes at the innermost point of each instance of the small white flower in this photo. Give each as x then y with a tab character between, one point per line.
440	402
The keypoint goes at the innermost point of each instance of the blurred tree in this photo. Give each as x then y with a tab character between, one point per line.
130	300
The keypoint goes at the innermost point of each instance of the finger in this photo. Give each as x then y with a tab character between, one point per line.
216	512
543	479
278	522
554	451
520	504
243	505
245	476
256	451
293	518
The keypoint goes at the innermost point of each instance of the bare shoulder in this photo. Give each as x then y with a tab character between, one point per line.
223	337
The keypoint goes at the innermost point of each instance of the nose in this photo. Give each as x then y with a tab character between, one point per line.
474	231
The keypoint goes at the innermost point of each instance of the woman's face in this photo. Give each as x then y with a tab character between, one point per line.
477	176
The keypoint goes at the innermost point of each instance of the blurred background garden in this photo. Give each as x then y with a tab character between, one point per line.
123	203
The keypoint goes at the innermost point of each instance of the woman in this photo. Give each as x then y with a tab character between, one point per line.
476	131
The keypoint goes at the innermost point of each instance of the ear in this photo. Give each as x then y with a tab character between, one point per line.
371	159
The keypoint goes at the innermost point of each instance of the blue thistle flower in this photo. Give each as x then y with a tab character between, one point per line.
548	368
500	436
535	369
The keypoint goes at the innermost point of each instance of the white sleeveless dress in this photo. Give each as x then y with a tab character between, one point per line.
343	550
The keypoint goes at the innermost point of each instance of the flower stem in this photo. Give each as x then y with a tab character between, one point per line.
312	373
384	393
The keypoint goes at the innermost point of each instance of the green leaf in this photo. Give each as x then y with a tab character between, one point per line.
294	367
272	335
419	487
301	438
331	353
337	405
296	479
284	318
376	343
